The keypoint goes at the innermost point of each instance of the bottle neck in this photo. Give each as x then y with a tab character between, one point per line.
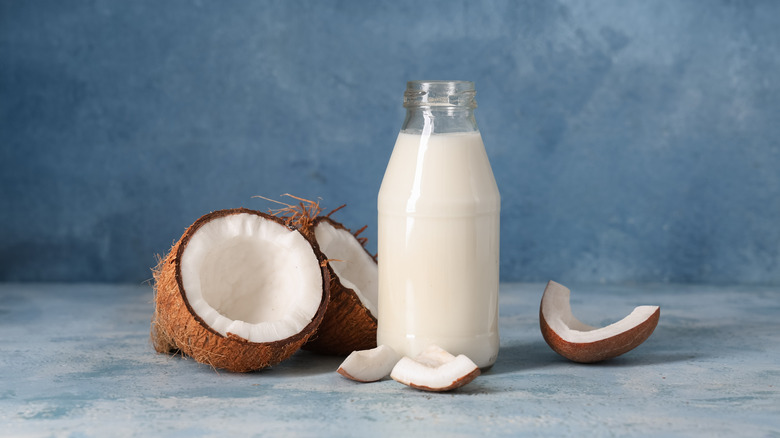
439	107
437	120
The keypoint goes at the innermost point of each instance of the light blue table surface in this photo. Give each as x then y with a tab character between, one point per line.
75	360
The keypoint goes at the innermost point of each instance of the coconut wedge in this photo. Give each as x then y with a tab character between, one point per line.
580	342
350	320
369	365
239	291
435	370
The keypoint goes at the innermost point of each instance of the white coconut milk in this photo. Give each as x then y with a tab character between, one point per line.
438	247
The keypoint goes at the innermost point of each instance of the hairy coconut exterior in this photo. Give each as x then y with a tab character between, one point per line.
176	327
597	351
347	325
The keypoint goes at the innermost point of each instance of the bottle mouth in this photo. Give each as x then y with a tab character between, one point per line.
440	94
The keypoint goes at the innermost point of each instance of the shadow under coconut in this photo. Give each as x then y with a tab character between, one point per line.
668	344
664	346
522	357
304	363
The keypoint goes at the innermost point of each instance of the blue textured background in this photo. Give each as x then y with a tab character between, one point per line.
632	141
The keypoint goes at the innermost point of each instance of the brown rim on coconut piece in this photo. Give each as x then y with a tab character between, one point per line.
239	291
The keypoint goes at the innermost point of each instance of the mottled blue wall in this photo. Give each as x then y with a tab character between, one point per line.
632	141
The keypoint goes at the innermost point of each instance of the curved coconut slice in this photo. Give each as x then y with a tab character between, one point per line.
350	319
239	291
435	370
369	365
582	343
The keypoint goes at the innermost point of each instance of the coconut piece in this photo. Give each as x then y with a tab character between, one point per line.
350	322
369	365
586	344
239	291
435	369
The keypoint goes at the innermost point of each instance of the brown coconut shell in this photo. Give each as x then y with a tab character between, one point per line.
176	327
603	349
347	325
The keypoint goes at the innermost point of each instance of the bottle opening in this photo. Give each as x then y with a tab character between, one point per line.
440	93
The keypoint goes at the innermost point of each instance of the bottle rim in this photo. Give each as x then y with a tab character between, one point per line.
440	93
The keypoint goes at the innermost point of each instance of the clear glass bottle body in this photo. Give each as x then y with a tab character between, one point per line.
438	230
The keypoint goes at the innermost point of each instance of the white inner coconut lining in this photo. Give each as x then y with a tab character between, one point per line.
556	308
354	267
253	277
370	365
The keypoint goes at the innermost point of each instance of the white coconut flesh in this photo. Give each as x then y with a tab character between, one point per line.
369	365
556	309
252	277
351	263
435	369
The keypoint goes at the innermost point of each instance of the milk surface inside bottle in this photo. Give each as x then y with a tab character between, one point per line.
438	230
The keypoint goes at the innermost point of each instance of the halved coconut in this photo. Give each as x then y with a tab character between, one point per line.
239	291
350	320
583	343
435	369
369	365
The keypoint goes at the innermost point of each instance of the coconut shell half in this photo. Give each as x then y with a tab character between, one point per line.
232	260
350	322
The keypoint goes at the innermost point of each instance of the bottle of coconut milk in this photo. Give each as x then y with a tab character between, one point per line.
439	229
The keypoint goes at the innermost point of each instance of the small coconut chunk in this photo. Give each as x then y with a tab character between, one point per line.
435	369
351	263
369	365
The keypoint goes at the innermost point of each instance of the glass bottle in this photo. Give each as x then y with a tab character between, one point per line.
438	229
